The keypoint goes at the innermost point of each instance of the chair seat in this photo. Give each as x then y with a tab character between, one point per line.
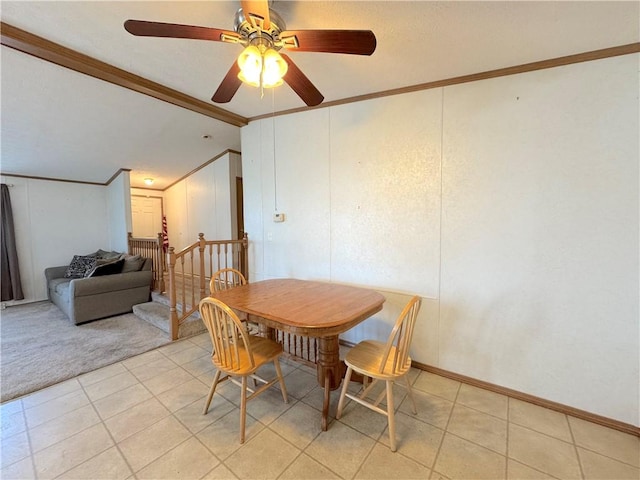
264	350
365	358
388	361
238	354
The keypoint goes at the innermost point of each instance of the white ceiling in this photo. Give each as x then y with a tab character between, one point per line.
57	123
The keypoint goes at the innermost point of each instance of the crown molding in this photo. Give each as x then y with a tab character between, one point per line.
501	72
44	49
119	171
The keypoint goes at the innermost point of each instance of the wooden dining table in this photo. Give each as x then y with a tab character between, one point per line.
310	309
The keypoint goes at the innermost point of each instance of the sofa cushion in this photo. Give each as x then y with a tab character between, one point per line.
60	285
132	263
80	265
106	267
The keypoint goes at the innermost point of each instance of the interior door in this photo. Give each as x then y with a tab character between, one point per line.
146	216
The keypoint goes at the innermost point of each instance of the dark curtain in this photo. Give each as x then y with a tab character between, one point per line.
10	281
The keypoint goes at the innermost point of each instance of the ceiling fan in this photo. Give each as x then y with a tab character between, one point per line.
263	34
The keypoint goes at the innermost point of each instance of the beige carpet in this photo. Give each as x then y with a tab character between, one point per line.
39	346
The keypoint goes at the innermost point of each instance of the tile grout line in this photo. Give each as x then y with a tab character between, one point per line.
171	414
101	422
266	427
575	447
302	450
115	443
28	434
410	416
506	463
366	457
509	422
444	431
456	402
153	396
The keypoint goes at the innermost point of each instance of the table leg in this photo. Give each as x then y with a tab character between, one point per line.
324	422
330	371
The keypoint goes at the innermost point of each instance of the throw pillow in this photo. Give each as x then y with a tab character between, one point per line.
108	268
99	262
132	263
80	265
108	255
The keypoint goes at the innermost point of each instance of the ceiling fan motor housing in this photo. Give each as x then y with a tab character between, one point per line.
259	28
252	27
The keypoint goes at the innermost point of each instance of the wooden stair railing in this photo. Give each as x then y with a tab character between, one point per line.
190	270
150	248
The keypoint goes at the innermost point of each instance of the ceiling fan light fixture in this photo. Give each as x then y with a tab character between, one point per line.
250	63
257	25
275	68
261	66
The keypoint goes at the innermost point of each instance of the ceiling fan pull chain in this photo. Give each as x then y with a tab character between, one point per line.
262	77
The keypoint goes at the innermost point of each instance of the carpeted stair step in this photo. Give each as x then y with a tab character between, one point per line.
164	299
154	313
160	298
159	315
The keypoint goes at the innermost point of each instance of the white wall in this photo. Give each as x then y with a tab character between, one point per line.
176	212
299	246
53	222
510	205
119	208
235	171
540	234
202	203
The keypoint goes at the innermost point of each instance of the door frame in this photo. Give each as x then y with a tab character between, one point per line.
161	206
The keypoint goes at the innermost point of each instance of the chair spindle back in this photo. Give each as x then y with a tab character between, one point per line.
225	279
228	335
400	338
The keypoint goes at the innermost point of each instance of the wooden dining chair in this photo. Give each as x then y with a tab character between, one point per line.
225	279
388	361
238	355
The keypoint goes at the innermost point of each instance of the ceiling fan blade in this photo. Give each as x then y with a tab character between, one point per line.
229	86
355	42
301	84
143	28
257	13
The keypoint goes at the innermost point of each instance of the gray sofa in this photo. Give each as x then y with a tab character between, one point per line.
86	299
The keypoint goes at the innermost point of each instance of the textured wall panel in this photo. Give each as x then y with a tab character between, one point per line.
385	192
540	234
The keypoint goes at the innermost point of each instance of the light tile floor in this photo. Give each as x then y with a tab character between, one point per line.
142	418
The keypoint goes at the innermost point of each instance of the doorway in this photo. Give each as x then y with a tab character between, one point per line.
146	216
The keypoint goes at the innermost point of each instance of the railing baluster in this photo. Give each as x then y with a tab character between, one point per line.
186	259
210	255
150	248
195	280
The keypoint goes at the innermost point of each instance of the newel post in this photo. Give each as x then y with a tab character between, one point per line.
245	256
161	267
171	260
201	247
